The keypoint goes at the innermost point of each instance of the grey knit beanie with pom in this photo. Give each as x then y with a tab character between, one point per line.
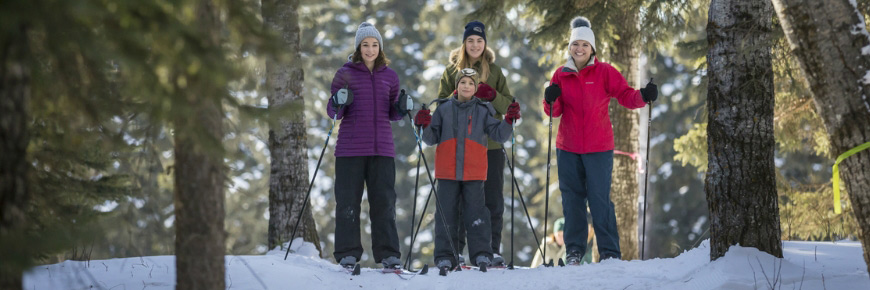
368	30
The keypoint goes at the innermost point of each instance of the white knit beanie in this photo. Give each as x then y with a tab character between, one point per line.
581	29
368	30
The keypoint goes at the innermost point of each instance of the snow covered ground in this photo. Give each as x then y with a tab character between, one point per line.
807	265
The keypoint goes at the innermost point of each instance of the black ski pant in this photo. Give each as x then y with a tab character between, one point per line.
378	174
475	218
493	192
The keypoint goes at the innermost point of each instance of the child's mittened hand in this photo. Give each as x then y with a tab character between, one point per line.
485	92
513	113
423	119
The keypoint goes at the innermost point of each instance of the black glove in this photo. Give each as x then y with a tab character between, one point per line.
342	98
404	104
552	93
650	93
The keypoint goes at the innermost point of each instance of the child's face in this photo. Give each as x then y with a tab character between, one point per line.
466	88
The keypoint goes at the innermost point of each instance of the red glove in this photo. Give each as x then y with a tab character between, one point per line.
485	92
423	119
513	113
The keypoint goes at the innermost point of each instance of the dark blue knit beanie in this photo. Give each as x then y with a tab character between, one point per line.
474	28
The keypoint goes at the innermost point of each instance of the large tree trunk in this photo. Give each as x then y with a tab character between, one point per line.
624	187
288	140
14	98
740	183
200	238
828	37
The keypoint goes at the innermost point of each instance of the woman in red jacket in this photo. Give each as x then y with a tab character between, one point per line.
579	93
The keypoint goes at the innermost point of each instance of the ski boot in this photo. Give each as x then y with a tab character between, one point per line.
482	262
349	263
574	258
444	266
497	260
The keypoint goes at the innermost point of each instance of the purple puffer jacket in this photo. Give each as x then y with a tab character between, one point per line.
365	127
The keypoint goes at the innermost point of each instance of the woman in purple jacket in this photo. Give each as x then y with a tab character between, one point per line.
364	92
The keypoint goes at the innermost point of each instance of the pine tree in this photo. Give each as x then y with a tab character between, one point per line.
14	97
829	39
740	182
803	173
287	133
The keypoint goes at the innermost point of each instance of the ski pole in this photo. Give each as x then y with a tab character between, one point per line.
316	169
409	106
547	190
513	145
413	214
525	208
422	214
646	182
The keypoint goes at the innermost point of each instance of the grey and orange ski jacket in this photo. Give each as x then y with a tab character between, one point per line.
460	130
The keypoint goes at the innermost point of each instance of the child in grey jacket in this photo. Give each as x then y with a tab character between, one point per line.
460	127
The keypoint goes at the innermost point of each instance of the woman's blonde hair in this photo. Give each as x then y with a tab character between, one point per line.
463	60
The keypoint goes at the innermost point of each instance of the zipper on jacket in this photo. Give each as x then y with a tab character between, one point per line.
375	115
469	127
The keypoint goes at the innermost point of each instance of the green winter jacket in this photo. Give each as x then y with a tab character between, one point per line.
496	80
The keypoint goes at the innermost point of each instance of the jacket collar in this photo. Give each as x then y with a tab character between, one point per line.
570	67
361	66
455	99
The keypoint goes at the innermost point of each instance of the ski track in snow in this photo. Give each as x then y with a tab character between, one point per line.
805	263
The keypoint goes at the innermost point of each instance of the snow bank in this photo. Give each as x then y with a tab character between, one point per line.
807	265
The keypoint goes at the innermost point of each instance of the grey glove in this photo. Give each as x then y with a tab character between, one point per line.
405	104
342	98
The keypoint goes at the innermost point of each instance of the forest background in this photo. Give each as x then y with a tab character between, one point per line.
101	143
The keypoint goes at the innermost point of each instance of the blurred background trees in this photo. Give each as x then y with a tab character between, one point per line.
92	88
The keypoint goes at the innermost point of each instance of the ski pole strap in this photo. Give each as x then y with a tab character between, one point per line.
840	158
631	155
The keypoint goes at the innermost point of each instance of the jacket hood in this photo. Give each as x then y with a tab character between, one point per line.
488	55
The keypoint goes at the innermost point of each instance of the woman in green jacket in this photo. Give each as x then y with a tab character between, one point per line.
492	88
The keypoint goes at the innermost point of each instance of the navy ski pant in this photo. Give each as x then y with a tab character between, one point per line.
582	178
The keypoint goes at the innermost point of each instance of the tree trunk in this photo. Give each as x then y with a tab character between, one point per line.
200	238
828	37
14	98
740	183
288	140
624	187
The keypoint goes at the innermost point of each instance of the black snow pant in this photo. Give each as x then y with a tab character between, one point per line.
475	218
493	192
378	174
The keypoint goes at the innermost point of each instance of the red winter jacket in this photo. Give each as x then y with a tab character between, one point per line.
585	125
